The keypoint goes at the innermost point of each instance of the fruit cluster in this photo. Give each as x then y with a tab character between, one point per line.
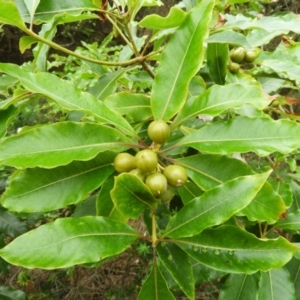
239	55
161	181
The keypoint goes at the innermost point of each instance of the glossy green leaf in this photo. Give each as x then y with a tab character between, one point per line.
258	36
290	222
260	135
131	196
9	14
57	144
178	264
288	22
174	19
267	206
229	37
241	287
40	52
232	249
215	206
5	117
106	85
218	99
181	60
276	285
203	273
8	293
134	106
283	68
104	204
189	191
67	95
155	287
31	6
11	225
293	266
69	241
50	9
217	59
86	207
25	43
42	190
208	171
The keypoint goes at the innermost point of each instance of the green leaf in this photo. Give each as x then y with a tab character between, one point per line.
189	191
174	19
217	59
178	264
204	273
215	206
57	144
7	293
9	14
218	99
50	9
241	287
69	241
104	204
267	206
260	135
42	190
293	266
131	196
229	37
231	249
181	60
290	222
5	117
134	106
155	287
287	22
209	171
67	95
106	85
31	6
11	225
26	42
276	285
285	69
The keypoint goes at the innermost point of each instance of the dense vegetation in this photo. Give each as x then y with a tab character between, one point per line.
188	123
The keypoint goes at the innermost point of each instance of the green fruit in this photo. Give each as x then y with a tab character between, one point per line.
124	162
157	183
167	195
176	175
159	131
237	55
233	67
138	174
250	56
146	161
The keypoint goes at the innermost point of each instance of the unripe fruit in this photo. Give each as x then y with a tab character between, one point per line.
167	195
146	161
157	183
233	67
159	131
124	162
176	175
237	55
138	174
250	56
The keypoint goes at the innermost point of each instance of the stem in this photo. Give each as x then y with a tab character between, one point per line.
133	61
121	33
154	236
